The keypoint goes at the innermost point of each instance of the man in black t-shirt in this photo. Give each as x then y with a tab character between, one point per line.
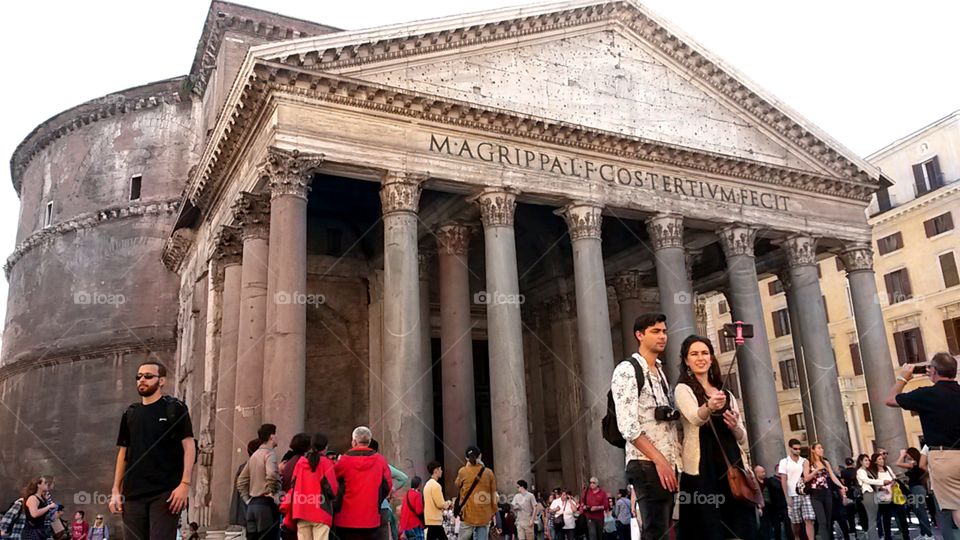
937	406
155	461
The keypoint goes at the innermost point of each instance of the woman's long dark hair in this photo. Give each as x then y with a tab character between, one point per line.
873	468
317	447
689	379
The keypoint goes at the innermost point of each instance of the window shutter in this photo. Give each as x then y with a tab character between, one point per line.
883	200
888	284
929	228
901	347
947	220
883	245
897	240
855	356
866	412
919	180
783	376
950	330
948	267
777	330
905	283
920	352
936	177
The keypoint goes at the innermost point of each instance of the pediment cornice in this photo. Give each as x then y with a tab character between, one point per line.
271	79
335	53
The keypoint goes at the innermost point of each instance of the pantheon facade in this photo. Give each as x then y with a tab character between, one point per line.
445	230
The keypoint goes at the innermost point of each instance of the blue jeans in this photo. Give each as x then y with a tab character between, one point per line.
475	532
415	533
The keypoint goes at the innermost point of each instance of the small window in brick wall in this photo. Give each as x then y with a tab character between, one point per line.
135	182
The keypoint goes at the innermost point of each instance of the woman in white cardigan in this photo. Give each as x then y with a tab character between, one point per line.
870	483
708	511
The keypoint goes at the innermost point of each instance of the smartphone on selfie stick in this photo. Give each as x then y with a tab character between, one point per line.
740	332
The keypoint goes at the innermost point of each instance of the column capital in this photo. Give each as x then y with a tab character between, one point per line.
801	250
251	211
857	258
583	219
737	239
400	192
227	246
289	172
666	231
497	206
630	286
453	238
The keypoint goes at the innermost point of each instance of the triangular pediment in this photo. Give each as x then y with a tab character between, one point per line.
614	67
603	80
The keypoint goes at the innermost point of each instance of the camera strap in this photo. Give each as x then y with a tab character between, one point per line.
663	386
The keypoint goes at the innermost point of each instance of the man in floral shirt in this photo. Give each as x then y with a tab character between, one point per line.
653	446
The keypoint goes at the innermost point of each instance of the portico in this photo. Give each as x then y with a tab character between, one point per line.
555	223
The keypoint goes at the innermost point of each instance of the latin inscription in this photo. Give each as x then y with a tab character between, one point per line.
574	167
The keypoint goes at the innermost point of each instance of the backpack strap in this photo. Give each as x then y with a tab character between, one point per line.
638	371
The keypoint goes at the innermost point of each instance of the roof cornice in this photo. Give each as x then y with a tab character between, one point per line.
137	98
224	16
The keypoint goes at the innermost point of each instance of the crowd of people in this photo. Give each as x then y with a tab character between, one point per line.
686	469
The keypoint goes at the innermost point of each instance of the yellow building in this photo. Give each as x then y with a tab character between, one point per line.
916	258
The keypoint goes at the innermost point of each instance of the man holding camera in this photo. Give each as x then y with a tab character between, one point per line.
648	421
936	405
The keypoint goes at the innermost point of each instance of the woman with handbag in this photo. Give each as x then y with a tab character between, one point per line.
818	474
870	486
886	504
917	478
712	433
563	511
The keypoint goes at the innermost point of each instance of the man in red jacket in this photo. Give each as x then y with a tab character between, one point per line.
364	479
593	504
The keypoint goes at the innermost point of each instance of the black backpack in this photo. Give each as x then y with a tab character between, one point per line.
608	426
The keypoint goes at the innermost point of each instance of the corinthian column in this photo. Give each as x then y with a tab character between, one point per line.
508	396
635	299
424	386
753	358
796	336
821	366
878	373
456	346
251	212
284	381
676	294
593	333
403	440
226	262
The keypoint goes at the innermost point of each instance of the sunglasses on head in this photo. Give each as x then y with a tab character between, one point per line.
147	376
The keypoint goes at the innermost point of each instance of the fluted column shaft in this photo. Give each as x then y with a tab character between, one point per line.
753	357
284	380
252	213
878	371
456	346
508	396
403	440
821	367
673	281
225	444
593	336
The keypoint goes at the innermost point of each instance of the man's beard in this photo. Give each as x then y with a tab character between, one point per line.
149	391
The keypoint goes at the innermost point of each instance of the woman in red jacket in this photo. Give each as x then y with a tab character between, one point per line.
411	513
313	493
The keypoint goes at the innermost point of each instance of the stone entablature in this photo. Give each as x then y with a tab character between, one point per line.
133	99
26	362
46	235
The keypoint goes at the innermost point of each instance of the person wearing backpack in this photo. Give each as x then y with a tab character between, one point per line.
151	481
313	492
648	424
477	500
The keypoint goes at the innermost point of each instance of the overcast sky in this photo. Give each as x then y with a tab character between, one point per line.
867	72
